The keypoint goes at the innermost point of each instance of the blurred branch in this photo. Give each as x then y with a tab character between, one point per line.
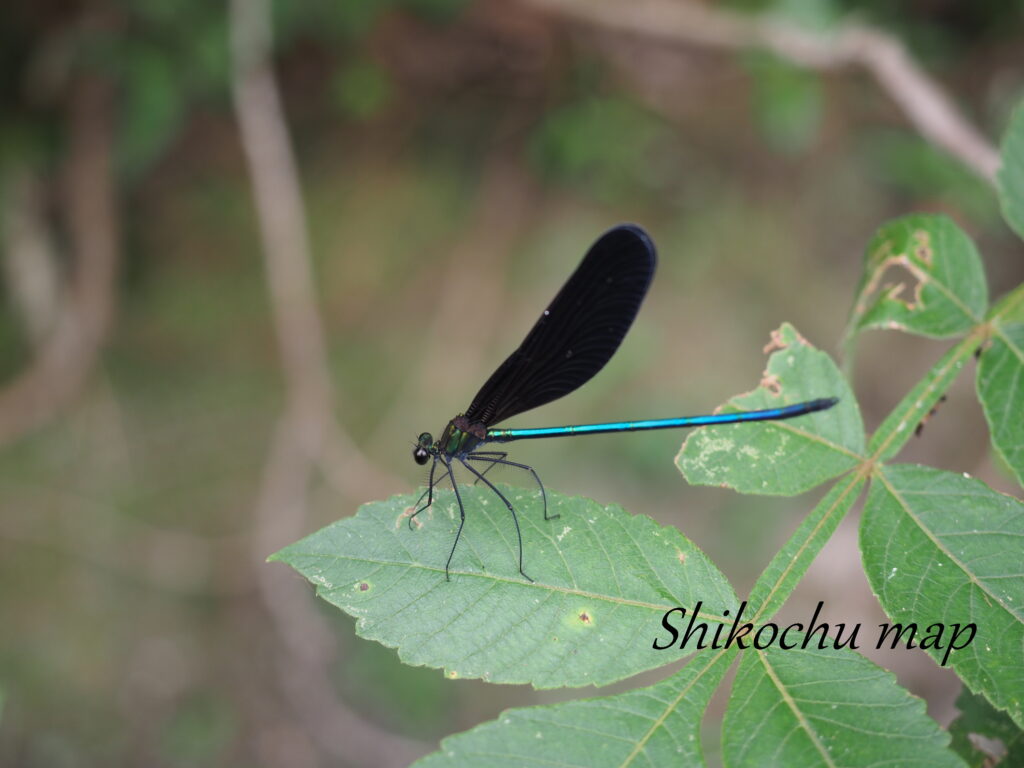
278	198
306	432
64	360
29	253
922	99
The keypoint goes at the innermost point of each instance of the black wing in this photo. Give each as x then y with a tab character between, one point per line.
578	332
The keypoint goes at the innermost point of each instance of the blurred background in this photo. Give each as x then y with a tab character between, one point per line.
211	345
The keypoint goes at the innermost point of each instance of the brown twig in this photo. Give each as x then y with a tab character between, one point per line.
67	356
306	431
922	99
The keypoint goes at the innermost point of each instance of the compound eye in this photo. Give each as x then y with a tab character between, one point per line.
420	454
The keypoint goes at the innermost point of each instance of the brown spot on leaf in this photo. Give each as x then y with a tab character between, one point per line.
408	513
363	586
774	343
681	557
923	247
924	419
771	382
893	291
585	617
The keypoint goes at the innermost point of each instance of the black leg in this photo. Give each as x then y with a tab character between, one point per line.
429	492
462	520
486	456
511	509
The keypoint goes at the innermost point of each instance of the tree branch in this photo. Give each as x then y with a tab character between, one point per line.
925	104
67	356
306	431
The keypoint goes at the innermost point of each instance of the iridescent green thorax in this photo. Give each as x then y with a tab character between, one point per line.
461	436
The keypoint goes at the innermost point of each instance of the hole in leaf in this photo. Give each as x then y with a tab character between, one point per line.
895	267
408	513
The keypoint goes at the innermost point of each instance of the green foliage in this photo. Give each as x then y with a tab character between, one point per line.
153	106
906	161
826	707
175	57
940	547
602	575
1001	738
941	290
940	550
610	146
362	89
165	58
782	457
785	570
659	725
1000	377
787	102
1011	174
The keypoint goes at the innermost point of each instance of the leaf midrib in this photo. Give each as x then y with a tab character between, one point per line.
939	545
661	607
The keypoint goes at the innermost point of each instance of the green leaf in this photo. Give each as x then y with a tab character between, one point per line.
659	725
829	708
1010	178
984	736
903	420
1000	381
781	457
604	579
609	147
935	283
943	550
789	565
